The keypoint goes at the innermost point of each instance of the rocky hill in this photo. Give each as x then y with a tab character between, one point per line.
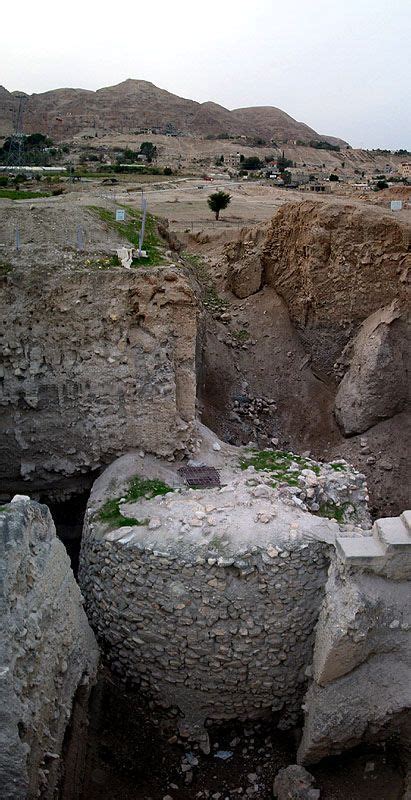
134	105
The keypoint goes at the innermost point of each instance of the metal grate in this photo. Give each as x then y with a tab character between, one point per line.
206	477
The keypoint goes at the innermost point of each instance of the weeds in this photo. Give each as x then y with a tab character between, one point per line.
278	464
211	299
241	336
331	511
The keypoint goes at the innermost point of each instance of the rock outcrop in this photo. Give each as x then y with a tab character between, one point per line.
48	652
94	361
375	385
362	655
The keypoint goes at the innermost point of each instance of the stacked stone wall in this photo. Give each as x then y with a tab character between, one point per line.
218	637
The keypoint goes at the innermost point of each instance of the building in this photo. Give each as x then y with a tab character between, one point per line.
405	169
233	160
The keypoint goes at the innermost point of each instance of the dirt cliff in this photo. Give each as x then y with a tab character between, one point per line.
334	264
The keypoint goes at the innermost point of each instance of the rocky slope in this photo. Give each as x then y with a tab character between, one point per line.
134	104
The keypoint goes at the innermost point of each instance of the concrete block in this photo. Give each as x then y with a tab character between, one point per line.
362	551
392	532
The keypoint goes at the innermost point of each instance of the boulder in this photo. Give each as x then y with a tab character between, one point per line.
375	385
245	277
295	783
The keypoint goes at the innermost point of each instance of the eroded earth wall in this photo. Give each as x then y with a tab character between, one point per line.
335	264
94	363
48	652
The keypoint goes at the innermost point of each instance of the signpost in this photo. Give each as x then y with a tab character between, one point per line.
120	215
143	224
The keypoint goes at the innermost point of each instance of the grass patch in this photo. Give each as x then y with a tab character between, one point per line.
331	511
138	488
130	230
278	464
16	194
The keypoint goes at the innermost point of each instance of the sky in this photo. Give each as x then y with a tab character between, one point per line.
341	67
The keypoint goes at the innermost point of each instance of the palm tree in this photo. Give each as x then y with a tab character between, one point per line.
218	201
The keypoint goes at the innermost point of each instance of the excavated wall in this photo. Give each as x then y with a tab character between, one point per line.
48	653
94	362
218	637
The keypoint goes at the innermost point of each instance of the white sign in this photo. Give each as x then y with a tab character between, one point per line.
120	215
396	205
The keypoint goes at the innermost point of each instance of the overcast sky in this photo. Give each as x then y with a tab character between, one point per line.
341	67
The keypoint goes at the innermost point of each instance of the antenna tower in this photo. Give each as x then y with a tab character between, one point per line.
16	149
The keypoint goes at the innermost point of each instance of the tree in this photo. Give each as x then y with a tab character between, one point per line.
283	163
253	162
333	177
149	150
218	201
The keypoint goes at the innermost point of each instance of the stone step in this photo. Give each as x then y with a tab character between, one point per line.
392	533
361	551
406	518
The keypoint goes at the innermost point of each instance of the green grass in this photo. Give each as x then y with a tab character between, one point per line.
130	230
278	464
16	194
138	488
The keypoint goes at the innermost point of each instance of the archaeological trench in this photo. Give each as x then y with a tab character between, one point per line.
232	426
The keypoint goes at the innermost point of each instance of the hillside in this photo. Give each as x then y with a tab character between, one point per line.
134	105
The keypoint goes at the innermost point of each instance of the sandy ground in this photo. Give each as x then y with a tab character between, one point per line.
183	201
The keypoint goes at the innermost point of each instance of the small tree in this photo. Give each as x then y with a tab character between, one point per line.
149	150
218	201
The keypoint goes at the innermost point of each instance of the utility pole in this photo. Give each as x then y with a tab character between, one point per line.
16	147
